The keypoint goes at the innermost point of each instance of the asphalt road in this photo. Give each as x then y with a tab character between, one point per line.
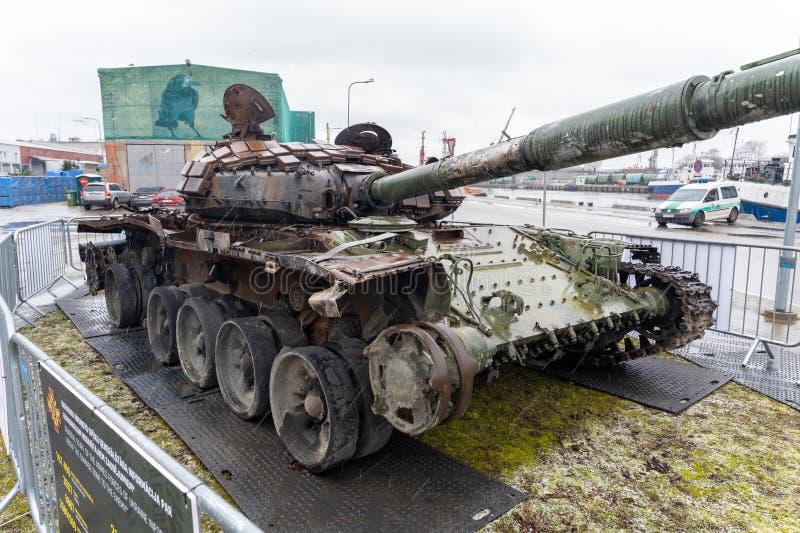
585	219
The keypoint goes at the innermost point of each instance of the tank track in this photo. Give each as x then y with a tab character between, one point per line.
690	313
692	308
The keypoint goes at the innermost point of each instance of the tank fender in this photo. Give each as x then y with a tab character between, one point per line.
326	302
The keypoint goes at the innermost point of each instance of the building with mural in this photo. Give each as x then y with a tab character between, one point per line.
156	118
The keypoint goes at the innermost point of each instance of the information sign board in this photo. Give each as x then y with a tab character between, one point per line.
104	481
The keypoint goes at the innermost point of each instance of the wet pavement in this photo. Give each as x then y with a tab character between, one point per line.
602	218
13	218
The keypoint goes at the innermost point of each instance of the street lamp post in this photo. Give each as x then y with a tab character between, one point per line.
328	131
99	132
348	96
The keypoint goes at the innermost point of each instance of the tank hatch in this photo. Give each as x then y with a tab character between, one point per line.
381	224
368	136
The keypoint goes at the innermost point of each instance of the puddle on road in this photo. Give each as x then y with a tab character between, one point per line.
754	235
11	226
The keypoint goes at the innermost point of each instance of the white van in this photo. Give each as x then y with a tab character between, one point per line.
695	203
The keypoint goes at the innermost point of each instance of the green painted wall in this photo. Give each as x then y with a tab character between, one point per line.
180	102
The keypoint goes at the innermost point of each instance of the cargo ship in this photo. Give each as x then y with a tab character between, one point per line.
765	201
764	191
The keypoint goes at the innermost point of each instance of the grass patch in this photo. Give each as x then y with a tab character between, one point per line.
588	460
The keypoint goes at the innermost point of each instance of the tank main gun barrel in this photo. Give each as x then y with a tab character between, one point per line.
691	110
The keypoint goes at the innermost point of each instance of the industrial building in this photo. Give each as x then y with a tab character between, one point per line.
156	118
17	157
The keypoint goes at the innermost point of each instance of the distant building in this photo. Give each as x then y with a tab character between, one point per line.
40	158
155	118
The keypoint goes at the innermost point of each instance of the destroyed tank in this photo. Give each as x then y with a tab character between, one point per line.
320	284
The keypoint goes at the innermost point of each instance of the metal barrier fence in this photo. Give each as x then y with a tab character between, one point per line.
41	256
9	283
743	278
29	444
75	240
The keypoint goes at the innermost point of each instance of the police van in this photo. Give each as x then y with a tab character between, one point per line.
695	203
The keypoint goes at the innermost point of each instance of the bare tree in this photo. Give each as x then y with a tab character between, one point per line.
754	149
715	155
686	160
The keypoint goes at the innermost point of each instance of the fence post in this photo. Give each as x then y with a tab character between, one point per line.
788	260
18	437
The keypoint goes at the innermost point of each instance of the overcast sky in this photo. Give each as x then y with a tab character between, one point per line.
455	66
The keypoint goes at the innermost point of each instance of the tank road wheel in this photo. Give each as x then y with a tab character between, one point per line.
162	313
314	407
196	329
733	216
374	431
245	352
288	333
197	290
699	218
145	279
120	286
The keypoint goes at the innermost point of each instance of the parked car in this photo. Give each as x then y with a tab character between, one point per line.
168	198
693	204
143	197
104	194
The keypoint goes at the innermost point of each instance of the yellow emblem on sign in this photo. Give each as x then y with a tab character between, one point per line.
55	412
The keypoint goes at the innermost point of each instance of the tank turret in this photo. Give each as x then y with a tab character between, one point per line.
251	176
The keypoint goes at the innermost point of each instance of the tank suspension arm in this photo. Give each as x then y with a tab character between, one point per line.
691	110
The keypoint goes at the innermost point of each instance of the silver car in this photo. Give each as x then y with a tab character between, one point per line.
104	194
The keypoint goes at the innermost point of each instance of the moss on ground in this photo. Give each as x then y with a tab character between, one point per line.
593	461
588	460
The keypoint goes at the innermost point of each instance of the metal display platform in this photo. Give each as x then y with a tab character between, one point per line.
664	384
89	315
776	378
406	486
